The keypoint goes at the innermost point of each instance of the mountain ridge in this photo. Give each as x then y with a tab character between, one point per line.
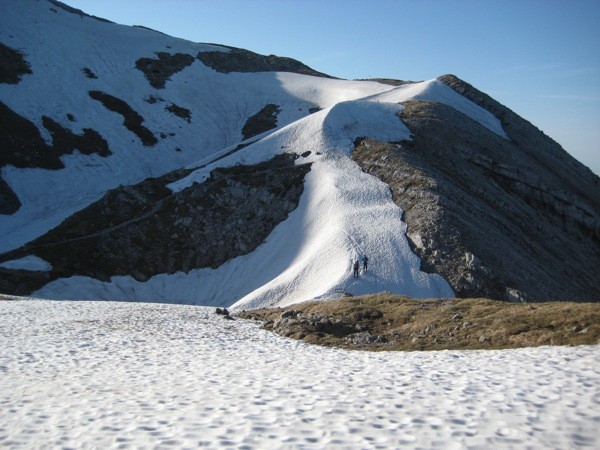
169	114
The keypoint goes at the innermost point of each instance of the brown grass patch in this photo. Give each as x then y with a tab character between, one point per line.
392	322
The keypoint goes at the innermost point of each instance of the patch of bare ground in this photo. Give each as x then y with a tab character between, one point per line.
240	60
159	70
264	120
392	322
131	119
12	65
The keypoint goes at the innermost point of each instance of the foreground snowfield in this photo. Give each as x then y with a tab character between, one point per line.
108	374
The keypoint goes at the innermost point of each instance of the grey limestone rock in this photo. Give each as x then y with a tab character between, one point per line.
515	219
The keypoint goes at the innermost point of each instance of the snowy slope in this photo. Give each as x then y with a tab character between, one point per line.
343	212
105	374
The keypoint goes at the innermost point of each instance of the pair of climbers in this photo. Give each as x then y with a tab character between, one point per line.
365	266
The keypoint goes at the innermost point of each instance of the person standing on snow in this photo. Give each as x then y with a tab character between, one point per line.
355	275
365	263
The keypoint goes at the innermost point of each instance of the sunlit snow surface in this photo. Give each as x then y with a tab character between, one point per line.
106	374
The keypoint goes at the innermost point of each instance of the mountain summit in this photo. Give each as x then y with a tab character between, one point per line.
138	166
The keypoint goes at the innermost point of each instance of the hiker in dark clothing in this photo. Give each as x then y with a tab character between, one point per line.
365	263
355	269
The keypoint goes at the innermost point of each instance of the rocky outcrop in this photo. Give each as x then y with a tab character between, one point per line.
544	154
131	119
485	213
158	71
390	81
89	74
29	150
264	120
179	111
65	140
76	11
9	202
146	229
12	65
240	60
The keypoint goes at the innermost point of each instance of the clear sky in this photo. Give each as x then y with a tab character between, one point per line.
541	58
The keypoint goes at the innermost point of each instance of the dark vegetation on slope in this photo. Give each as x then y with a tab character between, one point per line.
264	120
240	60
485	214
392	322
131	119
22	146
158	71
145	229
12	65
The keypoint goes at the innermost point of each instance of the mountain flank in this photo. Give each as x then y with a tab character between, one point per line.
205	225
497	218
187	195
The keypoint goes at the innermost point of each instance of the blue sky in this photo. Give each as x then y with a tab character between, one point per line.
541	58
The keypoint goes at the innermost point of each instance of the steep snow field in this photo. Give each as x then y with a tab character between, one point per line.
110	374
343	212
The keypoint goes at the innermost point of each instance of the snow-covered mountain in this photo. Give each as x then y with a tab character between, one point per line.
137	166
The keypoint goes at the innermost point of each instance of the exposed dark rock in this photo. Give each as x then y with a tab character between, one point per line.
184	113
144	230
88	72
289	313
76	11
291	323
240	60
9	202
63	139
485	214
12	65
264	120
131	119
71	117
22	282
158	71
153	99
151	29
23	147
364	338
390	81
532	142
313	110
